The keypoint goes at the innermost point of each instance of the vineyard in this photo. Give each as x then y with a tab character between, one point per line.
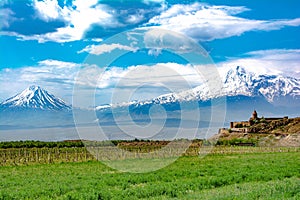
45	155
24	156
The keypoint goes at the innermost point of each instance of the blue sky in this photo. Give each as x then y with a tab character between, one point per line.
47	42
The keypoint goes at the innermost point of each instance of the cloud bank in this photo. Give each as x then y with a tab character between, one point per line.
88	19
205	22
284	62
106	48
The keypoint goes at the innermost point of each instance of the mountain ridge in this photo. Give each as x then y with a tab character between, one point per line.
275	89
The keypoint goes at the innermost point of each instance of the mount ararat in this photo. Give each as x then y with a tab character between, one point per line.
241	91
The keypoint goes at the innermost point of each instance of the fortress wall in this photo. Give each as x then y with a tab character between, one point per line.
236	124
240	130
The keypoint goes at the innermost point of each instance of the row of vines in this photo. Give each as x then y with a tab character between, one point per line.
27	156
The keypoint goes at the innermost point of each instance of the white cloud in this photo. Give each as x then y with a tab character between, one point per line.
52	74
79	18
204	22
48	9
200	21
106	48
49	71
81	15
157	39
97	39
57	64
134	19
154	39
145	82
89	76
6	16
140	14
168	74
284	62
153	1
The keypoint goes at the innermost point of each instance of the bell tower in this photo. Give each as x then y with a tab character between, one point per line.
254	115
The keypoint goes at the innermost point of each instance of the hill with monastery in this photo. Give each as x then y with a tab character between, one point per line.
262	131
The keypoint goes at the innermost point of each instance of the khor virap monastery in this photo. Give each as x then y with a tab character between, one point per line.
243	126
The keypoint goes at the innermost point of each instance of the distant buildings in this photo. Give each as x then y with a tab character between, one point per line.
254	119
243	126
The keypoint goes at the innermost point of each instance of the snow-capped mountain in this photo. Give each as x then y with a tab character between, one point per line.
240	82
34	97
236	82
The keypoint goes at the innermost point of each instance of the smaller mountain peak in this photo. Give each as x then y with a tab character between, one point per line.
237	70
34	87
37	98
240	70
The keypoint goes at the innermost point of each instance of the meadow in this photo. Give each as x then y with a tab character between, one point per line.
225	173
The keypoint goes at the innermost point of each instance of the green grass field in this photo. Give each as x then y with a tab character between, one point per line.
273	175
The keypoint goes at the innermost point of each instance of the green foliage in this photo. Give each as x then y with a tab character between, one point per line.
237	142
239	126
227	176
62	144
40	144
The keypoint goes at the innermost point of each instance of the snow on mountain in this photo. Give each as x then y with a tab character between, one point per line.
237	81
277	86
103	106
37	98
241	82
